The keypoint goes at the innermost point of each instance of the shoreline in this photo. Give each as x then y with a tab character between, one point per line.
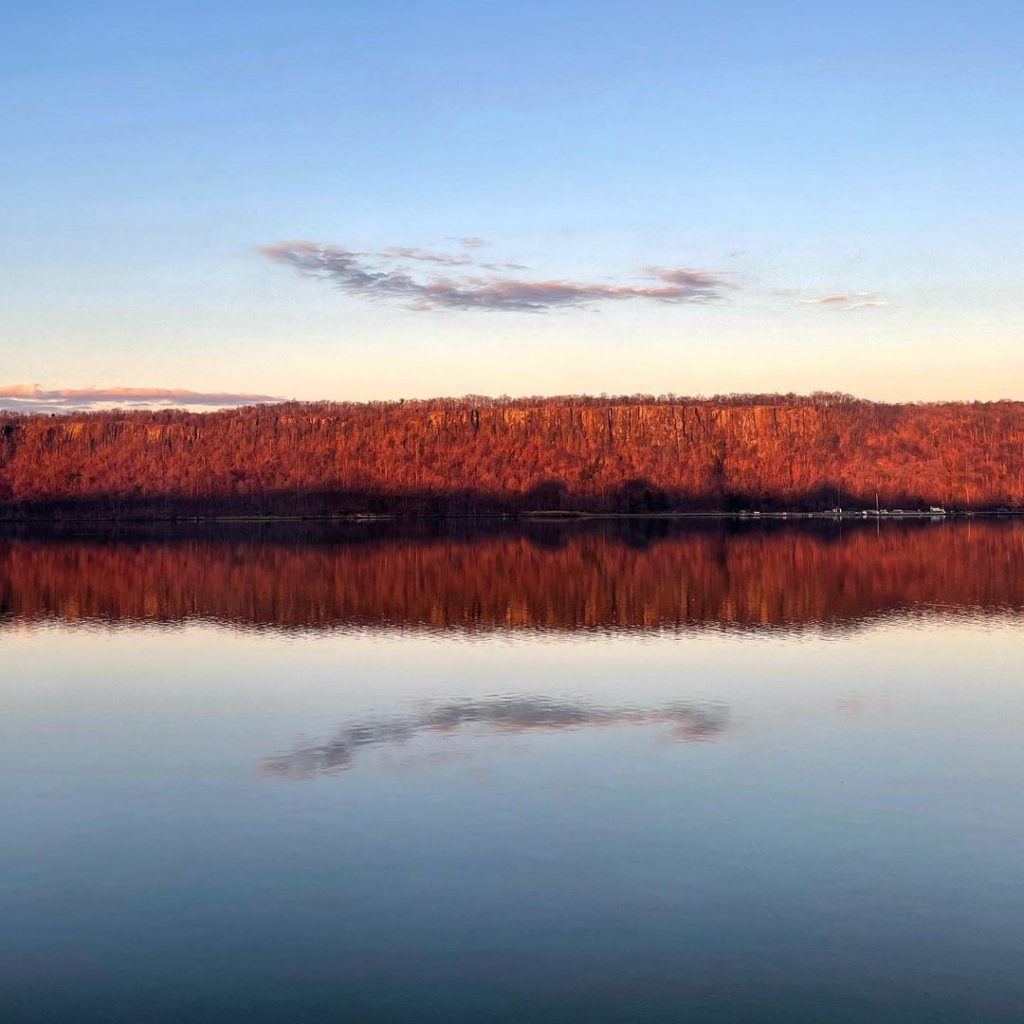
541	515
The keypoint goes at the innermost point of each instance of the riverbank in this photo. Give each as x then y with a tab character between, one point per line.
540	515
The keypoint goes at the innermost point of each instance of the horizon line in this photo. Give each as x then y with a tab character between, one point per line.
146	401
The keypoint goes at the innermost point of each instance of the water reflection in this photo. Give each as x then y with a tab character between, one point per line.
626	575
844	846
507	715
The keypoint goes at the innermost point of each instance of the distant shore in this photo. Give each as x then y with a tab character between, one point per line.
762	456
540	515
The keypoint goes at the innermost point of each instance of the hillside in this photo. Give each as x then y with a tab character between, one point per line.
637	454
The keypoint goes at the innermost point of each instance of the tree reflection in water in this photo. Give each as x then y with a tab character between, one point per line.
610	575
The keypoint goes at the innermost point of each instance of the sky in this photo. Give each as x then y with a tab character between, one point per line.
215	203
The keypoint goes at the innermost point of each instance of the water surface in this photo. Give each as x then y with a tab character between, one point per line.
622	771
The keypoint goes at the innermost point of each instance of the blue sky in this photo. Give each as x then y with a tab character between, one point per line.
159	159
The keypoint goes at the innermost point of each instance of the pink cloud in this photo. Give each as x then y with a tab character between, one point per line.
846	301
33	398
823	300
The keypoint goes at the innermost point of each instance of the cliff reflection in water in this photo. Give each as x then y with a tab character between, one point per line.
618	575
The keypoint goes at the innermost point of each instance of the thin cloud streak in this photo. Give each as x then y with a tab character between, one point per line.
407	252
823	300
845	301
504	266
33	398
470	241
358	273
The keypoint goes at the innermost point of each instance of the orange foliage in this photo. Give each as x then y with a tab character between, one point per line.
481	455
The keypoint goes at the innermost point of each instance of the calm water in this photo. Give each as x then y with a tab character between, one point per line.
621	772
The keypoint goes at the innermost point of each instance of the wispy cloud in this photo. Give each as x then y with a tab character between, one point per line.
33	398
381	275
408	252
470	241
822	300
504	266
845	301
513	715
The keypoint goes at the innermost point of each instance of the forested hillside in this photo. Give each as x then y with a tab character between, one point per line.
633	454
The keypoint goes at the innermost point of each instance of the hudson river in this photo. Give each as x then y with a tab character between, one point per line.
612	771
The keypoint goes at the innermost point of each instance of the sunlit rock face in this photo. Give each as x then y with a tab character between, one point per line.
631	455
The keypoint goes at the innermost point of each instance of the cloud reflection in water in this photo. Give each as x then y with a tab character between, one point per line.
502	715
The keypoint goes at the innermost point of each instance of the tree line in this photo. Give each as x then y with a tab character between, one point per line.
480	455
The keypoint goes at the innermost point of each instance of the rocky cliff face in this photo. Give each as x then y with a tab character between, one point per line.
638	454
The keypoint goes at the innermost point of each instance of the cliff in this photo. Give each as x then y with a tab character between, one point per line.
638	454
